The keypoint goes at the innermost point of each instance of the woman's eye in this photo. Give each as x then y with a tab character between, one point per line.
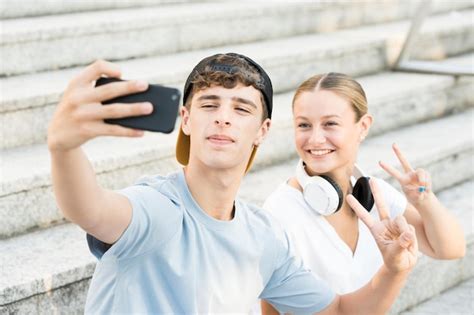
303	125
331	123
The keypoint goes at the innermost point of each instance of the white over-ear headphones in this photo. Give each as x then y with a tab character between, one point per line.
325	196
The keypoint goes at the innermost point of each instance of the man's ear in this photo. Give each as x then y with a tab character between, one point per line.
263	131
184	113
365	123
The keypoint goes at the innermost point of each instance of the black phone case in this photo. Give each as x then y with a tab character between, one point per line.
165	102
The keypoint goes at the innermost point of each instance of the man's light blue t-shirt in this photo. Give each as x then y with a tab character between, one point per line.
174	258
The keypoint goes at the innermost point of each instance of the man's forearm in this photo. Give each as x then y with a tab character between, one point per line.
75	186
377	296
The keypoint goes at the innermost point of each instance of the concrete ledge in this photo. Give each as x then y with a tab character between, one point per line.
42	269
454	301
358	51
42	261
430	277
69	299
18	9
26	200
14	9
142	32
32	44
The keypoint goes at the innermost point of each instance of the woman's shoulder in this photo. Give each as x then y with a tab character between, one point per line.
283	193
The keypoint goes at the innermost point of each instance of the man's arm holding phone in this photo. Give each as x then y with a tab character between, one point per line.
79	117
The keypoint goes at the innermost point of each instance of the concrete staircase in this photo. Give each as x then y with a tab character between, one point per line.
45	264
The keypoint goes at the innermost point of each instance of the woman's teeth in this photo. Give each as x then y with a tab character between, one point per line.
320	152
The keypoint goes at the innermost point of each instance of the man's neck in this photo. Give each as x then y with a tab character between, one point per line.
214	190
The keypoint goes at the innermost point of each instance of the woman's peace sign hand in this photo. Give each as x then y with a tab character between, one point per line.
395	238
416	184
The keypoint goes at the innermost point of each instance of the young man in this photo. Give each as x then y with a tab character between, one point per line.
181	243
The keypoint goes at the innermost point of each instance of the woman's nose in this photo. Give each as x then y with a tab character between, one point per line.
317	136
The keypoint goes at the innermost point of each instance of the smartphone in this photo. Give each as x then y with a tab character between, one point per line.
165	101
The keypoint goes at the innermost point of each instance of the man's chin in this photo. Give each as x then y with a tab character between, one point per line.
225	164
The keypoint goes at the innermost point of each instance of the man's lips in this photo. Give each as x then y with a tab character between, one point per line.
220	139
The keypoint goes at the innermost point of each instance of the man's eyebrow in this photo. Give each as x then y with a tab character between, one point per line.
209	97
244	101
214	97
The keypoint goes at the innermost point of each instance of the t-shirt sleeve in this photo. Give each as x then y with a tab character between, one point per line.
293	288
155	219
395	200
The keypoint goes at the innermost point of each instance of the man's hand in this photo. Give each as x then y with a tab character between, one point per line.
80	115
395	238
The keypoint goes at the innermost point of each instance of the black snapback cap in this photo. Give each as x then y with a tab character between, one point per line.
265	83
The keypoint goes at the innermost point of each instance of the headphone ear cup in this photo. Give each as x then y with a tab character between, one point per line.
338	190
363	194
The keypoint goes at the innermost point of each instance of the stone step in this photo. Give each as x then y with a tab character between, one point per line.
458	300
61	41
17	9
430	276
26	199
31	123
288	61
51	269
10	9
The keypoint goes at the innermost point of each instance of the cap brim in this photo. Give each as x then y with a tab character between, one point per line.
182	147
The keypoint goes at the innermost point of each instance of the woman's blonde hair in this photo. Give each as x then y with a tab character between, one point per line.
339	83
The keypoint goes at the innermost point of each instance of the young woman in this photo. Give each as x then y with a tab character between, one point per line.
331	121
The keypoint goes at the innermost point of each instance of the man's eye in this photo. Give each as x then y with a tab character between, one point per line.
208	105
243	109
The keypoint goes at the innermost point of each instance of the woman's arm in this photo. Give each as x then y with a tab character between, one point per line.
438	232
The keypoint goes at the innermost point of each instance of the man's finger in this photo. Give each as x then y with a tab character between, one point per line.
115	89
118	110
360	211
403	161
96	70
379	202
104	129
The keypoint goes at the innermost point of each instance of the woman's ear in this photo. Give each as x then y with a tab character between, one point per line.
263	131
365	123
184	113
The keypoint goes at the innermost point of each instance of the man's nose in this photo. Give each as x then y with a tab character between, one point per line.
223	117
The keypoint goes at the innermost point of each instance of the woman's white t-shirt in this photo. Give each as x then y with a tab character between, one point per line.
321	248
